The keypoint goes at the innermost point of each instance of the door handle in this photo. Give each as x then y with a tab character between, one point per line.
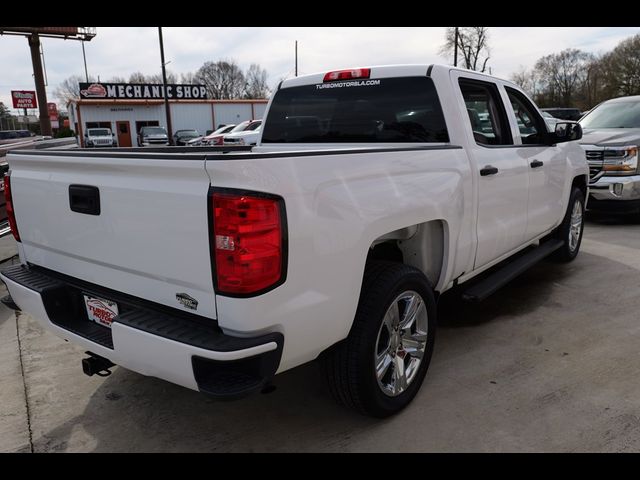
488	170
536	164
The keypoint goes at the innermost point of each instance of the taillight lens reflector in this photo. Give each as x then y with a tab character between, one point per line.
10	212
248	243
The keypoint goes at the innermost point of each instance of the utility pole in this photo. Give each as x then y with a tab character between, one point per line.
296	58
84	57
164	86
455	48
41	93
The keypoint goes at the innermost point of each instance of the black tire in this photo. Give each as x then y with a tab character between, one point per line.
349	366
567	252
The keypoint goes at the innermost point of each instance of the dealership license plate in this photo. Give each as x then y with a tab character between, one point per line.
100	310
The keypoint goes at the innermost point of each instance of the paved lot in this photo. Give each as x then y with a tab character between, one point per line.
550	363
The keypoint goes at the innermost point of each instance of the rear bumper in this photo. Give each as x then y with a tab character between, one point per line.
152	340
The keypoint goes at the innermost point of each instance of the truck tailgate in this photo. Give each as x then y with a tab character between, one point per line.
150	238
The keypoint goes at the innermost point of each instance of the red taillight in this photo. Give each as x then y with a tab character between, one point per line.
10	213
248	243
347	74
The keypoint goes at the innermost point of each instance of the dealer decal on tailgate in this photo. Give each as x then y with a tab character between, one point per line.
100	310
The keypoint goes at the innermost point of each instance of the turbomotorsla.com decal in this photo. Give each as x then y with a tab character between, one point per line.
351	83
187	301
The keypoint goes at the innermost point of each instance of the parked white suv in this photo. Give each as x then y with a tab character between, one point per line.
99	137
372	191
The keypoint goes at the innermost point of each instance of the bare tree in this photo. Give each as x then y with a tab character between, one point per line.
621	68
593	90
256	82
473	46
117	79
4	111
172	78
223	79
527	80
563	74
188	78
137	77
69	89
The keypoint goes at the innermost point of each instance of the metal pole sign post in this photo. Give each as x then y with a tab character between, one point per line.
164	83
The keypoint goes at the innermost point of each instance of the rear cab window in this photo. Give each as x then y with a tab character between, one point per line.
386	110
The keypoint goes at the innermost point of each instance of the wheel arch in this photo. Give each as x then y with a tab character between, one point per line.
423	246
581	182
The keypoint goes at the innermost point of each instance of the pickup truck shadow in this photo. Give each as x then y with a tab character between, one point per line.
132	413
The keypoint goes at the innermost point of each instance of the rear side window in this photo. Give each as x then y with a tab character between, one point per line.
381	110
486	113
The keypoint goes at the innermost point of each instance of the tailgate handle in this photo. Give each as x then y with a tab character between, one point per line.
84	199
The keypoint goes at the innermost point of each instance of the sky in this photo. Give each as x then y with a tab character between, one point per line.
120	51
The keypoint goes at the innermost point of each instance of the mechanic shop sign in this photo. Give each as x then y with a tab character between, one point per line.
141	91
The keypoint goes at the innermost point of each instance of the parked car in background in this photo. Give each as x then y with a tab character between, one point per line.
152	136
241	127
584	114
550	120
611	141
8	134
564	113
207	138
99	137
247	137
181	137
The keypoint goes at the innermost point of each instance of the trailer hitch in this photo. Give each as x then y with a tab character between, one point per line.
96	365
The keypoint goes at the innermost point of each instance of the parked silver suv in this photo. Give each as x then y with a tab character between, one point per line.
152	136
611	140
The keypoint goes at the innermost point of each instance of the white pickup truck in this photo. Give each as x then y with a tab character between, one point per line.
371	192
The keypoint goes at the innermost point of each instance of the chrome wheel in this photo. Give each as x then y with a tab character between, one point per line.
575	228
401	343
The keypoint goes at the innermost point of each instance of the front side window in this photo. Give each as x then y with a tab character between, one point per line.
405	109
532	128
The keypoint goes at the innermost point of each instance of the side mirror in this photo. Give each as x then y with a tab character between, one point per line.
566	132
